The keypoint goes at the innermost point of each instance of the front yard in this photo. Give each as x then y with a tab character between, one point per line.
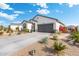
41	50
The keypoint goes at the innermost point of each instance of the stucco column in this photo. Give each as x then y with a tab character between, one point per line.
36	27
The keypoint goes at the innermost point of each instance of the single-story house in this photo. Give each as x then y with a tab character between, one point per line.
41	23
21	26
47	24
27	25
13	26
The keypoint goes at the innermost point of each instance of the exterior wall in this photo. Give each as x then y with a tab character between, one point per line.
13	27
36	25
29	26
44	20
24	25
58	25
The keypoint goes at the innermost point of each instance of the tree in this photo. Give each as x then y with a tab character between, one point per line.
59	48
1	27
9	30
17	29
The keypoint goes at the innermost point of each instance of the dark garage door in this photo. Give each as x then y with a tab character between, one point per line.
45	28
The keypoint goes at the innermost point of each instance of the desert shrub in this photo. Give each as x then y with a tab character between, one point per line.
1	27
63	29
54	31
45	40
75	37
58	47
17	29
58	32
1	32
9	30
54	37
26	30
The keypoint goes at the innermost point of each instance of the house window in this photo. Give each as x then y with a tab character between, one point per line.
37	17
24	25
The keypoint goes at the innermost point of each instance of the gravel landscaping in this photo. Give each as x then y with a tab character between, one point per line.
71	50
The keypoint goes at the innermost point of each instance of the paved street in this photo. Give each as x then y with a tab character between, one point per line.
11	44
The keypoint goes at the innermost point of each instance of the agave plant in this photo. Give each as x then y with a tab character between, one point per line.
75	37
59	48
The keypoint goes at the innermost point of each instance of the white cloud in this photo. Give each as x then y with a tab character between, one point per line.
1	22
30	11
7	16
16	22
71	3
34	4
18	12
43	5
43	11
5	6
59	11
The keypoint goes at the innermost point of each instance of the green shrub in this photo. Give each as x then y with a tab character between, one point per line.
44	40
59	32
54	37
1	33
58	47
75	37
54	31
17	29
26	30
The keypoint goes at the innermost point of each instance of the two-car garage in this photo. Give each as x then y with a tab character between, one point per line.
45	27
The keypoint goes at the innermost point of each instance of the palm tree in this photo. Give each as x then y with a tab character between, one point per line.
75	37
58	48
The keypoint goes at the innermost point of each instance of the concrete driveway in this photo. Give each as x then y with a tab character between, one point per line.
11	44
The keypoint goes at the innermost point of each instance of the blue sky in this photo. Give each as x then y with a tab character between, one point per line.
17	12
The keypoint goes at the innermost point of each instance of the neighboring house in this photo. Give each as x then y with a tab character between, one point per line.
41	23
13	26
47	24
77	28
71	28
27	25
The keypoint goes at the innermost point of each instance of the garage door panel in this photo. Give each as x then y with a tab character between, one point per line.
45	28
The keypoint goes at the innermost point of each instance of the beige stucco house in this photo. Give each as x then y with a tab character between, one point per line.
40	23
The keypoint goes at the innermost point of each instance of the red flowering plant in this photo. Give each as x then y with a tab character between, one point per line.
63	29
